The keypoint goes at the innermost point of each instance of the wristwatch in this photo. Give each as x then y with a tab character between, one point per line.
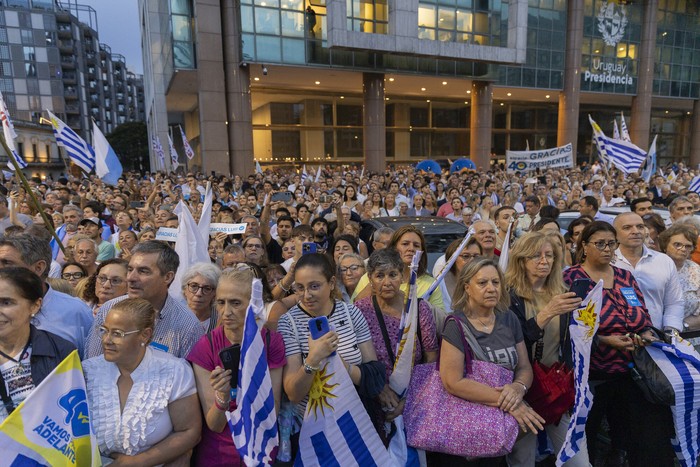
310	370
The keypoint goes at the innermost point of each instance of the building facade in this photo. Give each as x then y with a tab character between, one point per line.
51	58
398	81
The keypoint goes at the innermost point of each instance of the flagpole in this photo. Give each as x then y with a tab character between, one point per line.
29	191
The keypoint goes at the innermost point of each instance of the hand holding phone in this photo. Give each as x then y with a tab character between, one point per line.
319	327
230	357
308	248
580	287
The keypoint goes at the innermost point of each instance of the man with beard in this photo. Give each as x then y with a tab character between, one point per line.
320	227
72	215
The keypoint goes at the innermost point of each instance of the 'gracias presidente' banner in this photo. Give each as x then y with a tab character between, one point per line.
528	161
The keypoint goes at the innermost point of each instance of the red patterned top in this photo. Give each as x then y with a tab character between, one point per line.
618	316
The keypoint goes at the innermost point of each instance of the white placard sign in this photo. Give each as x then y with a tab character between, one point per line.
166	234
230	229
529	161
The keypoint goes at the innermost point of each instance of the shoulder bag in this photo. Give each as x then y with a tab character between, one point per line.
440	422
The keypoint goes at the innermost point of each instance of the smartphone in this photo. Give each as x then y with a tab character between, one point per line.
308	248
325	199
136	204
580	287
284	196
230	356
319	327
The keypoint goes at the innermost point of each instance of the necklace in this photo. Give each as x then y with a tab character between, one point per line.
485	326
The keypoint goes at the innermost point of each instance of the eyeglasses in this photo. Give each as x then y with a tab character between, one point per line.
682	246
72	275
549	258
313	288
193	287
468	256
602	245
353	269
116	334
115	281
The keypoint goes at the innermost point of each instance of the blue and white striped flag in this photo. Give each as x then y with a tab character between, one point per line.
189	152
583	327
680	363
336	429
158	149
304	175
624	155
650	163
79	151
695	184
624	134
616	131
254	422
9	132
174	158
403	367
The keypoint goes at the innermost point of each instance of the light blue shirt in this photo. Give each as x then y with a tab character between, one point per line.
65	316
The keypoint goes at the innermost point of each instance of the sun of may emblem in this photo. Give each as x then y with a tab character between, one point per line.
587	317
321	391
612	20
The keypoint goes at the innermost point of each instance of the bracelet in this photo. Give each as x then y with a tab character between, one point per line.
309	370
218	406
285	290
219	402
522	384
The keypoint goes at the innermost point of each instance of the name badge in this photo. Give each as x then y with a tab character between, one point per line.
159	346
630	296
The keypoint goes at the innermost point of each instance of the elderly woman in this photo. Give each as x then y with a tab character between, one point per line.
198	287
316	289
108	282
27	354
678	242
543	306
481	308
351	268
143	401
447	286
216	447
383	311
636	425
255	251
407	240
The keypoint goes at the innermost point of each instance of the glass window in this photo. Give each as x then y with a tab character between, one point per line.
181	7
183	55
349	142
268	48
292	24
285	114
30	69
267	21
181	28
350	115
247	23
29	53
293	50
286	144
27	37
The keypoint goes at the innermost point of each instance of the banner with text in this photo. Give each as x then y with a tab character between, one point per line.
529	161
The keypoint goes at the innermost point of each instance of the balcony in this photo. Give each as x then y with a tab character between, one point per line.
70	77
73	109
65	31
68	61
70	93
66	46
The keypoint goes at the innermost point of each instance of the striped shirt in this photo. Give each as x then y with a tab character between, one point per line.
177	328
348	322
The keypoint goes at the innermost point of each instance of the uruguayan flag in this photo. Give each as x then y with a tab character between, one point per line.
10	135
189	152
190	246
318	174
680	363
158	149
107	165
79	151
254	422
337	430
174	158
616	131
650	164
505	250
584	325
304	175
258	168
403	367
448	265
624	155
695	184
624	134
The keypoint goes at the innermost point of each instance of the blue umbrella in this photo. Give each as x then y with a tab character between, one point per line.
462	164
428	166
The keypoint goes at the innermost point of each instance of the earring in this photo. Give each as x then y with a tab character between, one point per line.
143	344
32	315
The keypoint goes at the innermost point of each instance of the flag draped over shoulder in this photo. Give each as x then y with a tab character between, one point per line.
189	152
254	422
680	363
52	426
584	325
190	246
79	151
337	430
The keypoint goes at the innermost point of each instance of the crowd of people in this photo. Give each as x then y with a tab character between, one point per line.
157	387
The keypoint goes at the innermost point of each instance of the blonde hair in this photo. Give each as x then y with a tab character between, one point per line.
529	245
140	311
460	299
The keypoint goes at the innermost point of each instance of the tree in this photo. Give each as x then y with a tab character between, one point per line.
130	142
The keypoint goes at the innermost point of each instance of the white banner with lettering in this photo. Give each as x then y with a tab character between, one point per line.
529	161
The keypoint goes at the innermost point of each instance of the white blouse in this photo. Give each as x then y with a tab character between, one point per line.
159	380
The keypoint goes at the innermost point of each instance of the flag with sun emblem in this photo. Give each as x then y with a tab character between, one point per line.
584	324
336	429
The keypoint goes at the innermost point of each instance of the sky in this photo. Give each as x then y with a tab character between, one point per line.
118	27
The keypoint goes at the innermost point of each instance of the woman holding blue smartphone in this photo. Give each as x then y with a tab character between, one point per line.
338	327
